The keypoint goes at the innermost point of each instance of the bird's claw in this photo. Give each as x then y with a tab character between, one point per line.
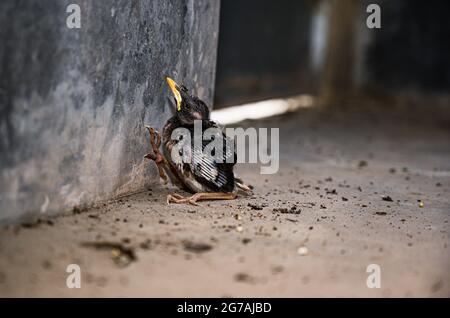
152	130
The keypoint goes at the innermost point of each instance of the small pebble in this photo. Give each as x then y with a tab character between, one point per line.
302	250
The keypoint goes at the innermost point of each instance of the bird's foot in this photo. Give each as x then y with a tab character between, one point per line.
201	196
156	156
177	198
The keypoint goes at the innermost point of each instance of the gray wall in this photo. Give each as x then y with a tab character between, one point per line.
73	101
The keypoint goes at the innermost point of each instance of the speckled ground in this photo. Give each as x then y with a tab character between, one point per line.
353	189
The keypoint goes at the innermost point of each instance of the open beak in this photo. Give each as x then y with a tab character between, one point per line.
176	92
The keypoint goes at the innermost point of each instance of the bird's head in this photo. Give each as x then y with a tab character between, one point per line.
187	107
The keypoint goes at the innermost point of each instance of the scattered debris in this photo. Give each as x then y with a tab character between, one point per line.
245	278
120	254
362	164
30	225
36	223
255	206
380	213
302	251
146	245
292	210
387	198
421	205
246	240
344	199
196	247
239	228
277	269
79	209
46	264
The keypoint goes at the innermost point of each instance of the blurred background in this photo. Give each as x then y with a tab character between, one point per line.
270	49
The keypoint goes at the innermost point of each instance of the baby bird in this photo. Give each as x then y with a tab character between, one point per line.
194	170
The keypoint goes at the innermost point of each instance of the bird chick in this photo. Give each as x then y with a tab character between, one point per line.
203	174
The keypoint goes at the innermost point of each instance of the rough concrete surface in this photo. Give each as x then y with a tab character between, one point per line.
73	102
331	199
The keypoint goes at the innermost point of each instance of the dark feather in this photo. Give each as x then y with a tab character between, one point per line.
215	174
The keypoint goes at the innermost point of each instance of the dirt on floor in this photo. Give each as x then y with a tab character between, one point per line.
353	189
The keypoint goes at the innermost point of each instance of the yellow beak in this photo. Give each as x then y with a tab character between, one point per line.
174	88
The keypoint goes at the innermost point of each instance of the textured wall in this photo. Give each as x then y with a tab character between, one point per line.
73	101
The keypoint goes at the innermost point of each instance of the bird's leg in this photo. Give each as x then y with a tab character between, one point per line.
156	156
201	196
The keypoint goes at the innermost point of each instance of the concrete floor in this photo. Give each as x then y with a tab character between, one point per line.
335	170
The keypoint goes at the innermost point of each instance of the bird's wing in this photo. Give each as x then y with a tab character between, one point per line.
215	171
